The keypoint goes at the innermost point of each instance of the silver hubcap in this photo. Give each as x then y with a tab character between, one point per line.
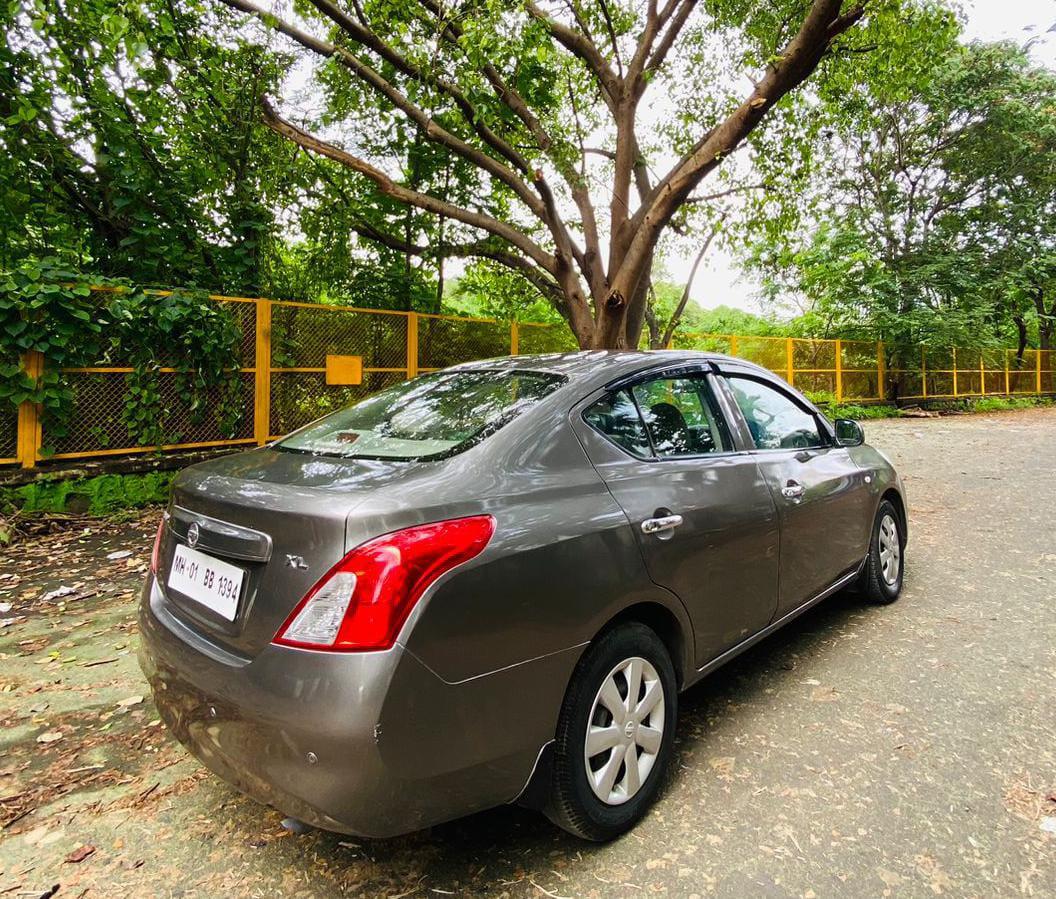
890	550
625	730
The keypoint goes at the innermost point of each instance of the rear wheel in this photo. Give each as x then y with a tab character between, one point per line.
882	577
615	734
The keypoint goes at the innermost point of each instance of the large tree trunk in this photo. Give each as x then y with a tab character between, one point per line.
1021	327
1046	319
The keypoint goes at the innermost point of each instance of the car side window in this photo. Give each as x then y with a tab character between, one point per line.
773	418
616	417
681	416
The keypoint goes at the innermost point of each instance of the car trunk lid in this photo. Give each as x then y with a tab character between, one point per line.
279	517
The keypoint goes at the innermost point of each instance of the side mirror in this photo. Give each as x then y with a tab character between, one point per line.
849	432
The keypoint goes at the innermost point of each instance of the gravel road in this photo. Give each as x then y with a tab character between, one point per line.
904	751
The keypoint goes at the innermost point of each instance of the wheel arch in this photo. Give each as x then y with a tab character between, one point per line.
893	495
673	632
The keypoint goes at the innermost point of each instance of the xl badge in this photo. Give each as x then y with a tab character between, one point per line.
296	562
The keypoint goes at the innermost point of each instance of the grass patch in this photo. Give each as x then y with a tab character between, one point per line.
101	495
827	403
1008	403
860	413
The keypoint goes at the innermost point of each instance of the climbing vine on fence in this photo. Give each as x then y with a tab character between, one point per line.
42	311
46	308
197	338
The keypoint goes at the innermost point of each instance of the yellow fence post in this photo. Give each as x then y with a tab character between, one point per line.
412	345
262	376
788	360
955	372
29	437
1008	381
982	375
1037	370
515	339
733	344
923	373
881	373
839	371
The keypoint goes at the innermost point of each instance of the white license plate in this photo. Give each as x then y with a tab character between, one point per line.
215	584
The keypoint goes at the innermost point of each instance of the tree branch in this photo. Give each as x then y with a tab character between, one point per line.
822	23
367	37
432	130
584	49
676	316
405	194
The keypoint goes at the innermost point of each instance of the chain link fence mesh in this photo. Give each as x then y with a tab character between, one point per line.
448	341
303	336
299	397
100	418
541	339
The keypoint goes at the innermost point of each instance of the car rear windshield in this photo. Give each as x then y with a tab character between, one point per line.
431	417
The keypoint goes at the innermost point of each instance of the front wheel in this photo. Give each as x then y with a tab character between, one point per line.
615	734
885	565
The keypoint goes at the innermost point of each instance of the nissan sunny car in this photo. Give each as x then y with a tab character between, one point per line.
490	584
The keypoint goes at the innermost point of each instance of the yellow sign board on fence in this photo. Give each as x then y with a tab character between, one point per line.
344	370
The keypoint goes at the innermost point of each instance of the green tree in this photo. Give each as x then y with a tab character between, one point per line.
929	213
539	106
132	145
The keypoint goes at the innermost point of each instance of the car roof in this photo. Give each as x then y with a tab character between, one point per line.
599	367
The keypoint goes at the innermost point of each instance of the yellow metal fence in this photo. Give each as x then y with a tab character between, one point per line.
283	373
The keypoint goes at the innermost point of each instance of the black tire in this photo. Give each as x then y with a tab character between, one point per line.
873	584
573	804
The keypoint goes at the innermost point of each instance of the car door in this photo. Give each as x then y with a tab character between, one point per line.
704	517
821	495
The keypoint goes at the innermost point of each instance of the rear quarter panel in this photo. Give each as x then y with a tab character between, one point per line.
562	563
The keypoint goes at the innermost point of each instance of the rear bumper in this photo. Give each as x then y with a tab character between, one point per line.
372	744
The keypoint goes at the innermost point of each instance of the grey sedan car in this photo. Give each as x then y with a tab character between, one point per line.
490	584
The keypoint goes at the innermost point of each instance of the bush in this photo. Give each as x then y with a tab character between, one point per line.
102	495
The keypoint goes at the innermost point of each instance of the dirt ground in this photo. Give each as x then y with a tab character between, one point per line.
899	751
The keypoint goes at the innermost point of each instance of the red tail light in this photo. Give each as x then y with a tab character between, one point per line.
157	544
363	601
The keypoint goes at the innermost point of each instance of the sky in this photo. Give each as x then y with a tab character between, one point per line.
718	281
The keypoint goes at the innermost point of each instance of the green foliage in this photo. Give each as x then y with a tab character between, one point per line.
102	495
854	411
47	308
41	312
131	141
198	338
929	211
1008	403
489	290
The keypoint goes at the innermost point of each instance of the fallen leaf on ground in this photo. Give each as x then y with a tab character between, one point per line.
49	736
130	701
79	854
723	765
118	554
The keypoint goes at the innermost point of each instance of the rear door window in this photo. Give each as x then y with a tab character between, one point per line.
431	417
681	416
616	417
664	417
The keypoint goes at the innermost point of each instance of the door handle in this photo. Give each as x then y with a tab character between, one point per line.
660	525
792	490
